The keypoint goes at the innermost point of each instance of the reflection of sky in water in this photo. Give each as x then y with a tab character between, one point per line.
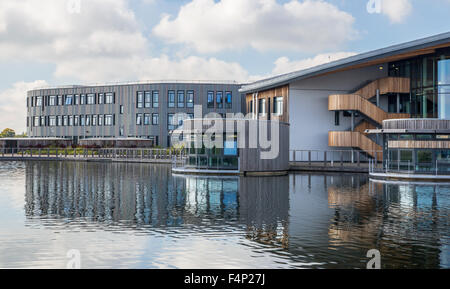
139	216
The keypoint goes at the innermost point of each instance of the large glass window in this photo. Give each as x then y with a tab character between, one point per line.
83	99
262	106
91	98
210	99
155	119
52	100
229	99
38	100
171	98
278	106
155	99
148	99
140	100
69	99
109	119
190	99
139	119
219	99
180	98
171	121
147	119
109	98
444	88
101	98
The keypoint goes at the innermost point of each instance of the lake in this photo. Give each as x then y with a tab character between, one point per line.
119	215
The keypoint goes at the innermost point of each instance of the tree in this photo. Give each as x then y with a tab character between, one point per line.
7	132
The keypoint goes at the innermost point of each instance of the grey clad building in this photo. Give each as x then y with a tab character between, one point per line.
138	110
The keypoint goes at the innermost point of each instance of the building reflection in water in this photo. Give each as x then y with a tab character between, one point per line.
328	221
136	195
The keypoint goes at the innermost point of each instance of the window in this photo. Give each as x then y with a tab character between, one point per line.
121	131
100	120
69	99
219	99
52	121
83	99
101	98
59	120
76	99
190	115
171	98
52	100
190	99
170	121
71	120
147	119
229	99
121	109
42	120
139	119
109	120
91	98
250	109
148	99
155	119
65	120
60	100
39	101
88	120
180	98
36	121
278	106
262	106
424	156
94	120
82	120
140	100
76	120
155	99
210	99
109	98
406	156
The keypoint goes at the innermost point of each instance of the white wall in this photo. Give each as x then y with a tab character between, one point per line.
309	117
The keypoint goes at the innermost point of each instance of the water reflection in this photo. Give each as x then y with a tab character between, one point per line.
297	221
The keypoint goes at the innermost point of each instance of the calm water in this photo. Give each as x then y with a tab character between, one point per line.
140	216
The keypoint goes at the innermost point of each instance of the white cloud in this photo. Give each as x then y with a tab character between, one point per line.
13	105
284	65
47	31
396	10
210	26
151	68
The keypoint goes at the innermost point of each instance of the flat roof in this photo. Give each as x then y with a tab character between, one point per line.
34	138
379	54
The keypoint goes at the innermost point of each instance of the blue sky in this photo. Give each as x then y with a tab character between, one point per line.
52	42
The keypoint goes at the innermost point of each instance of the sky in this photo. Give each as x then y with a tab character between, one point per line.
62	42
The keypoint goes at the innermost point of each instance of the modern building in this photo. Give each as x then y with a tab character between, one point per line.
332	106
135	110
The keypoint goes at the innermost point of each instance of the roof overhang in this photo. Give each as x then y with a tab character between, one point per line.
392	53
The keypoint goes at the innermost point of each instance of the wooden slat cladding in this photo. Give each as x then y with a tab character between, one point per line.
416	144
363	126
385	85
357	103
282	91
355	140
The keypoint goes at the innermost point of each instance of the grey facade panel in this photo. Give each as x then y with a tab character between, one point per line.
126	96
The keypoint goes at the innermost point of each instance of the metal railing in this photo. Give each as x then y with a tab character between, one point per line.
168	155
333	158
436	168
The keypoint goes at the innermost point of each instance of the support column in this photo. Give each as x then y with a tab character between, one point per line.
378	98
398	102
